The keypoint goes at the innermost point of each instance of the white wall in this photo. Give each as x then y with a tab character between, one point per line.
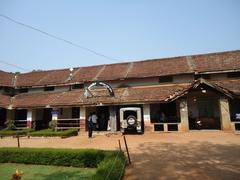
61	88
35	90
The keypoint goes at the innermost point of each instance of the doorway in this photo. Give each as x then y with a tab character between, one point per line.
103	117
3	117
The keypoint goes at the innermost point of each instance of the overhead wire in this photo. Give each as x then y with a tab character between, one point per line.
13	65
57	37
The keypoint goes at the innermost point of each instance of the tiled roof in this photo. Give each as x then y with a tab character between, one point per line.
6	79
34	99
5	101
139	69
76	97
86	73
231	85
160	67
43	78
150	94
217	61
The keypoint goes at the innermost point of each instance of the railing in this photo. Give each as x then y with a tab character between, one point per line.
20	123
73	123
167	127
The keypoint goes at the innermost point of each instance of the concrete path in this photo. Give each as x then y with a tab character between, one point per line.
194	155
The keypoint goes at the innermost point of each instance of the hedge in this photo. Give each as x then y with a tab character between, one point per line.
5	132
109	164
51	156
51	133
111	168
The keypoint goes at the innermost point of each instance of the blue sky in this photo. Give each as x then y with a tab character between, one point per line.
125	30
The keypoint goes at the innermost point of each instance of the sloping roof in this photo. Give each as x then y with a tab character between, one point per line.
43	78
76	97
160	67
231	85
217	61
221	61
142	94
34	99
6	79
5	101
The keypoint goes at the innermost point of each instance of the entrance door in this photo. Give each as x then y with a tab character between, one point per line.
103	117
47	117
3	115
207	115
205	108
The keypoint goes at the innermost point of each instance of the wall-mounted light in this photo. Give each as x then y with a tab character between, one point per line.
204	91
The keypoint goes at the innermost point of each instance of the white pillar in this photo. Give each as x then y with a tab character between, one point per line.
147	118
29	118
113	118
82	118
225	114
183	109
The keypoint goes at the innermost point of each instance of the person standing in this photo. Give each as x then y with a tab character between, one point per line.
90	125
94	121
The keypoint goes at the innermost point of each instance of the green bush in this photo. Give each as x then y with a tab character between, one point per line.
110	164
47	156
6	132
10	125
111	168
53	125
50	133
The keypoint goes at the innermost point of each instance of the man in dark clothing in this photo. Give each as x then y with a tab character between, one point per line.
90	126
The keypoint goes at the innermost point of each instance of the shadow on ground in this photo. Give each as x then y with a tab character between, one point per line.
194	160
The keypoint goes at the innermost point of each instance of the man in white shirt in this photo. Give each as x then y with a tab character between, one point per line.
94	119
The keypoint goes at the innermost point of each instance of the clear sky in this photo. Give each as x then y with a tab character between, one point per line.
125	30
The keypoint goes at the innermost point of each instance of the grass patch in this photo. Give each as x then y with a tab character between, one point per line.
51	133
43	172
5	132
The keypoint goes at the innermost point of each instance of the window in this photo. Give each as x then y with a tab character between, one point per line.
49	88
233	75
77	86
23	90
165	79
204	76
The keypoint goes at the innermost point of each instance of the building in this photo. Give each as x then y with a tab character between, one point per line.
186	89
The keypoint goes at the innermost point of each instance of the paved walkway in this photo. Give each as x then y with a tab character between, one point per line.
194	155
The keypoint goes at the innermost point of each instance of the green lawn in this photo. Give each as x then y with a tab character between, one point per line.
42	172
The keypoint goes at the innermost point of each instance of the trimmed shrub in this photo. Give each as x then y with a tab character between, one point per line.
6	132
50	133
59	157
111	168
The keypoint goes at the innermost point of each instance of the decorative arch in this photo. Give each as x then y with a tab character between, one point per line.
97	84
